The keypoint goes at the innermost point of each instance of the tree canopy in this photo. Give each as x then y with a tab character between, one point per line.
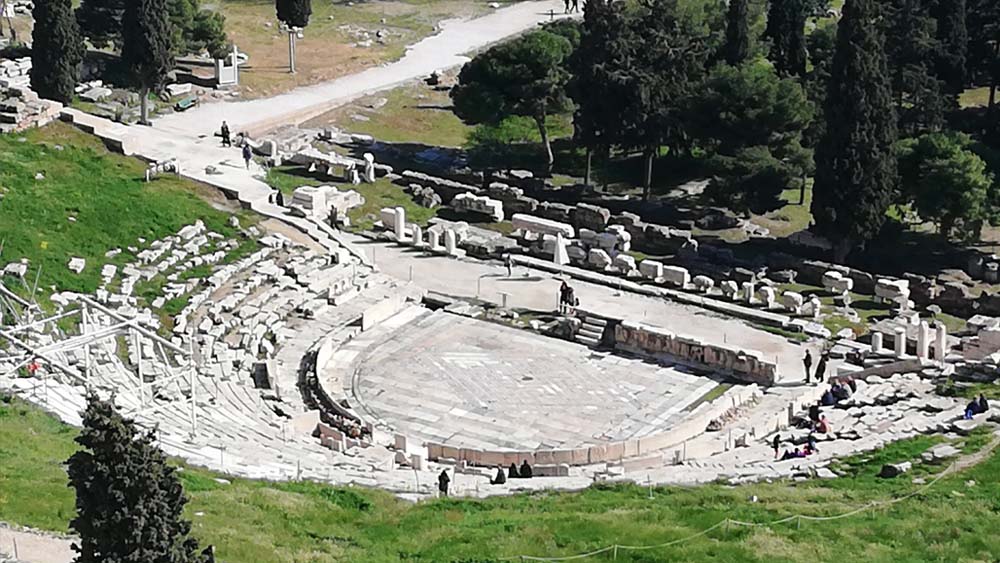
129	502
101	21
946	182
57	50
737	46
752	121
526	76
147	46
294	13
786	30
855	165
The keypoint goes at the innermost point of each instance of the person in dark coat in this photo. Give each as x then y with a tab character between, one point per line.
226	142
807	361
512	472
443	481
814	412
500	479
525	470
984	405
776	444
247	154
821	367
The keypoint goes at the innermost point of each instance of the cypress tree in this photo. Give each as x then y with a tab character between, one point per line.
786	29
294	13
737	47
855	165
129	502
953	45
147	46
57	50
983	63
101	21
911	46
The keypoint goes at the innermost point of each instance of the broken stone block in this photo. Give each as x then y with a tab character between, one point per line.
76	264
891	470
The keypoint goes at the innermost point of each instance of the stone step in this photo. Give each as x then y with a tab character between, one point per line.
587	340
591	332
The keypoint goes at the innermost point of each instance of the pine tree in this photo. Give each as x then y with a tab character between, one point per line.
855	166
147	47
129	502
953	45
101	21
786	29
57	50
737	47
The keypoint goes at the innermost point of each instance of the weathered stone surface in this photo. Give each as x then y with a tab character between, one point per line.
587	216
891	470
677	276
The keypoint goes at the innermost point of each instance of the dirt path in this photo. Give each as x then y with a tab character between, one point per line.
33	546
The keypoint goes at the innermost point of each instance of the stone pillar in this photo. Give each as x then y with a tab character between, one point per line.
450	242
399	223
748	290
876	343
900	342
418	236
941	342
434	239
560	256
923	340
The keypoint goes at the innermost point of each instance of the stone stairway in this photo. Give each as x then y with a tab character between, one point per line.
592	332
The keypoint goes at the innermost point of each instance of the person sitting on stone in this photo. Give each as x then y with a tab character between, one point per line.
984	405
787	455
512	472
500	479
799	453
814	411
811	444
828	399
525	470
852	385
973	408
840	392
823	426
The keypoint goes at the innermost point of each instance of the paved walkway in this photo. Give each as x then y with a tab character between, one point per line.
35	547
443	50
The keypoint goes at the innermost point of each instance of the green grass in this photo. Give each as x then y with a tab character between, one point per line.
112	206
975	97
864	305
262	522
414	113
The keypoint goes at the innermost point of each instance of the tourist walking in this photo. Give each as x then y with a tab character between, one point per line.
247	154
443	481
566	2
808	362
509	262
576	5
563	296
776	444
226	142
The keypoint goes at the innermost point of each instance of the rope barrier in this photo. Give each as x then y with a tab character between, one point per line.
728	521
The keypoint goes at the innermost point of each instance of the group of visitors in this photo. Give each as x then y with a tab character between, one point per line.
817	420
228	142
820	374
809	449
977	406
841	390
567	298
572	5
349	427
512	473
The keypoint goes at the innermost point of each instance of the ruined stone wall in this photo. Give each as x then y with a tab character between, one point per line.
744	365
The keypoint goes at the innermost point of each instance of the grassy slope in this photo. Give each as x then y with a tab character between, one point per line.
263	522
104	192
